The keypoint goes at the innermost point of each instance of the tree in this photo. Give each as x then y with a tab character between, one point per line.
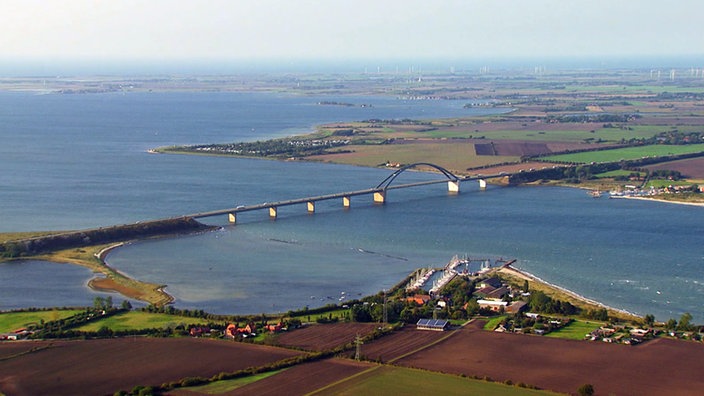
649	320
98	302
360	313
671	324
586	390
685	322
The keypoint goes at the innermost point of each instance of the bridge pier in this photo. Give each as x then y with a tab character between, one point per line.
345	202
311	206
273	212
232	218
482	184
453	187
379	197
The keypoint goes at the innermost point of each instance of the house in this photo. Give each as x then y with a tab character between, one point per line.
493	282
495	306
484	291
232	330
516	307
433	324
273	328
497	294
639	332
420	299
198	331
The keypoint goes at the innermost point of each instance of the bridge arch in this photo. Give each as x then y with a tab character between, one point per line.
387	182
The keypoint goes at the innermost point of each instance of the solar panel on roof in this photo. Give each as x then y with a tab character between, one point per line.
437	323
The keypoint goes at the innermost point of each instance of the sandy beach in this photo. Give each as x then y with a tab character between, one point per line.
658	200
523	275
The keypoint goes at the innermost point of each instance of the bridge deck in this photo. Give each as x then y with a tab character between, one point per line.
276	204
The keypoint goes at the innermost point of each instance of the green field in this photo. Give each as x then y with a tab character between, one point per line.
660	183
576	330
224	386
628	153
493	323
10	321
341	314
135	320
404	381
615	173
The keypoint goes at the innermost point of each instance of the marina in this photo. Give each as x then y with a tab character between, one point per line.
434	279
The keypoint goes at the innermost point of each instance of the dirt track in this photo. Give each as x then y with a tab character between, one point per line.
660	367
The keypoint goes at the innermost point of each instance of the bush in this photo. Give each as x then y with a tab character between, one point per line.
586	390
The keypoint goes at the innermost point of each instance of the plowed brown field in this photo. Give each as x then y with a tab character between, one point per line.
692	168
660	367
399	343
322	337
99	367
303	378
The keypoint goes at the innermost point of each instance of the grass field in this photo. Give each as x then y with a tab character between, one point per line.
615	173
10	321
628	153
140	320
492	323
576	330
660	183
404	381
338	313
218	387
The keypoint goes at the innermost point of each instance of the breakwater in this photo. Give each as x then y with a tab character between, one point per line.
99	236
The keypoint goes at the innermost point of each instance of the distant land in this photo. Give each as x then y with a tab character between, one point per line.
51	67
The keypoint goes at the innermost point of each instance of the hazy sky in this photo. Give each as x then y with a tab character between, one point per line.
346	29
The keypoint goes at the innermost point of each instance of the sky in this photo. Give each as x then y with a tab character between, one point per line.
339	30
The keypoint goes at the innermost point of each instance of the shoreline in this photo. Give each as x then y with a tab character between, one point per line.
524	275
700	204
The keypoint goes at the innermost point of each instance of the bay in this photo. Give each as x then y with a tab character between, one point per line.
79	161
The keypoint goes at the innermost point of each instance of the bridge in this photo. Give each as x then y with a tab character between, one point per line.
378	193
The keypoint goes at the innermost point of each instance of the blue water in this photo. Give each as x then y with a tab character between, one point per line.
80	161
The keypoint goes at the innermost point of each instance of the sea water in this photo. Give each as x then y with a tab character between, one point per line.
79	161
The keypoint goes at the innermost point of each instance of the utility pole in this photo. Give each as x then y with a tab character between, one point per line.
358	347
386	313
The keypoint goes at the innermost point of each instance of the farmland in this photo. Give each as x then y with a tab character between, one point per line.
140	320
320	338
404	381
629	153
562	365
105	366
390	363
11	321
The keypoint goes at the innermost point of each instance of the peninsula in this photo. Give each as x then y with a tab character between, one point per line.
623	131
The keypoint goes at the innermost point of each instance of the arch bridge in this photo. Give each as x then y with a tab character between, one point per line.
378	193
